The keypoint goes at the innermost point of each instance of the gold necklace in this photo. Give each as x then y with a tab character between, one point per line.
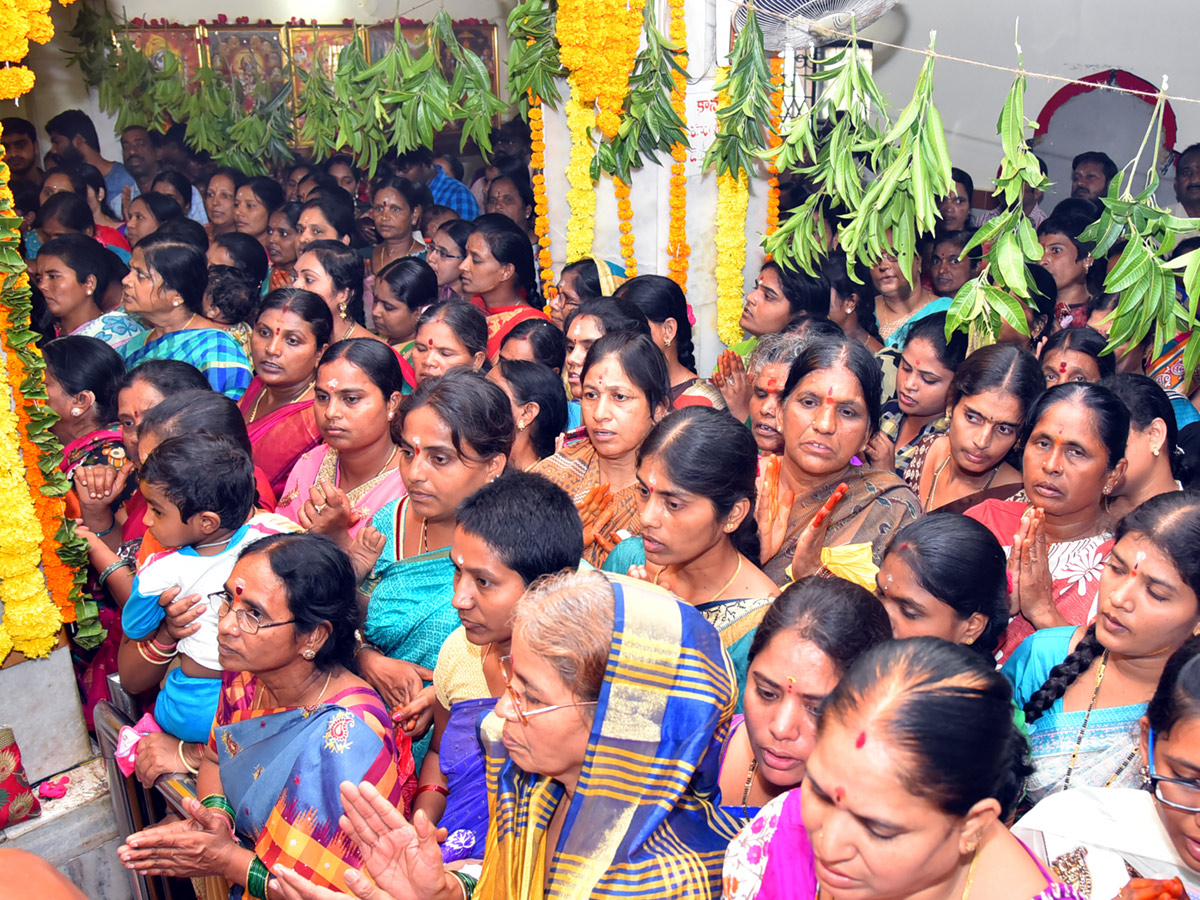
746	790
258	694
937	473
971	873
331	466
1087	715
727	586
263	393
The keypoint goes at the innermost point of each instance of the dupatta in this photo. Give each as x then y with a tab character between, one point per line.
644	820
281	769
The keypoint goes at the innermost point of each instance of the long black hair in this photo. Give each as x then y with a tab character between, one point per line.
1177	696
531	382
182	268
1108	412
376	360
642	361
659	298
345	270
466	321
476	411
1147	401
80	363
509	244
708	453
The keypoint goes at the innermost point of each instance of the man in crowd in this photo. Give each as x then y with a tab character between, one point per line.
1090	174
74	140
21	152
139	150
418	165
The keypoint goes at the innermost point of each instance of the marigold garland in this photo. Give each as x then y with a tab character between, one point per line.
598	42
21	21
625	215
581	196
678	250
774	140
733	198
541	206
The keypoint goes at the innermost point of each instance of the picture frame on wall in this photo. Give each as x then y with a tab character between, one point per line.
316	45
182	40
255	57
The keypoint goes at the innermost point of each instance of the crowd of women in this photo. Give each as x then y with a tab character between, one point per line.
441	592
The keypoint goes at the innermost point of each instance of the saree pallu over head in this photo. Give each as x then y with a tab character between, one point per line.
644	819
214	351
281	768
281	437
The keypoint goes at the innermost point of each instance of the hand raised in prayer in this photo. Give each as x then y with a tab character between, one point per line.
806	560
364	551
182	614
773	509
328	511
195	847
1029	570
597	511
731	379
290	885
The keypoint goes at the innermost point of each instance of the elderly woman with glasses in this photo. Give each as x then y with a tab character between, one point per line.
294	720
1098	838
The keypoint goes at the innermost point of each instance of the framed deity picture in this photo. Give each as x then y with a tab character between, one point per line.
480	38
255	57
381	37
321	45
183	41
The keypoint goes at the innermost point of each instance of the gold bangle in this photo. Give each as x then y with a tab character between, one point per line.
183	759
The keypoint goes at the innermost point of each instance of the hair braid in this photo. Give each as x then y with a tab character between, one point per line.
1064	674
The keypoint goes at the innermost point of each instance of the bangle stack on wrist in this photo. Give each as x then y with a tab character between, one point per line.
468	883
108	573
155	653
220	803
257	877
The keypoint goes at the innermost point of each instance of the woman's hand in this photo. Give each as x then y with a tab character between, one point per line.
364	551
597	511
97	488
772	510
181	614
416	716
195	847
99	553
405	860
290	885
881	452
327	511
806	560
1029	566
731	380
157	754
1153	889
397	681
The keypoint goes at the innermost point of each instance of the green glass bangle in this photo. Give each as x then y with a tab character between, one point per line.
256	878
220	802
468	883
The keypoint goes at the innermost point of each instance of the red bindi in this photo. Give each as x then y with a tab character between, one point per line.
862	739
1062	368
839	794
771	382
238	590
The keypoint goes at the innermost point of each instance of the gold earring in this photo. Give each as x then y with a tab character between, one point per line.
308	654
1154	451
520	426
342	309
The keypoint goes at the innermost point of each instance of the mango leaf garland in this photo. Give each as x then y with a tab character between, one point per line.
534	64
317	111
210	115
740	138
475	103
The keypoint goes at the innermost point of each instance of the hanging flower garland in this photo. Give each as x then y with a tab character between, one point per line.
541	206
625	215
598	42
773	141
581	196
678	250
733	199
21	21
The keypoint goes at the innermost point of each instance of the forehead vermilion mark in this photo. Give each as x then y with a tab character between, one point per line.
839	794
1062	368
771	383
862	739
238	590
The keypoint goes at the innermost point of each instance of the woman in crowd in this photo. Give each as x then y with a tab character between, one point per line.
449	334
557	757
1156	465
586	325
512	196
695	500
337	487
927	366
95	191
766	374
293	719
165	289
82	374
172	184
852	303
325	218
1070	261
1096	838
402	290
779	295
625	392
396	211
973	461
916	768
340	167
944	576
830	412
254	204
1076	354
509	533
663	304
67	213
334	272
536	340
242	252
292	331
220	198
1058	531
455	433
539	409
86	183
582	280
447	250
1084	689
73	276
283	246
901	299
500	277
809	638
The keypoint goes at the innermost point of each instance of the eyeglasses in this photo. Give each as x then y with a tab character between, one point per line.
247	620
1177	793
435	250
519	703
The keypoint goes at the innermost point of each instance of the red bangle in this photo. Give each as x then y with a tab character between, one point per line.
433	787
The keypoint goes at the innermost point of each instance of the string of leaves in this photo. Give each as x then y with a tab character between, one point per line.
471	89
317	110
1011	241
820	144
93	30
211	115
740	137
261	136
1144	274
649	123
534	65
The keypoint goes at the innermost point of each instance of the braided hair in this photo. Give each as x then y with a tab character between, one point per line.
1064	674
